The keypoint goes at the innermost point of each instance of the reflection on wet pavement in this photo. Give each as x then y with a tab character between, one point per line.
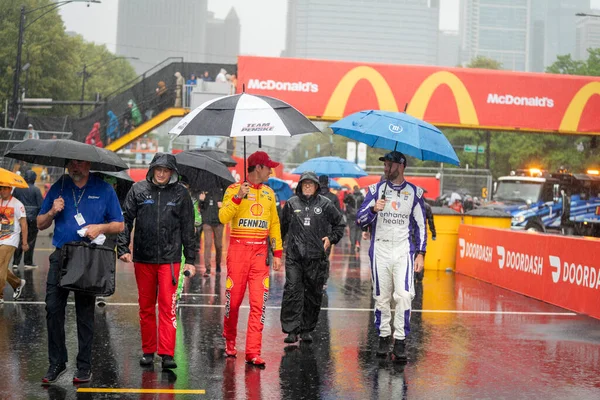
468	340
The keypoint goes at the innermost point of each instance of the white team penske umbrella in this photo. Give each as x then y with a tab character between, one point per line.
244	115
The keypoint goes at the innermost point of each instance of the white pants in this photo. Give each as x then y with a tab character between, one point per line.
392	268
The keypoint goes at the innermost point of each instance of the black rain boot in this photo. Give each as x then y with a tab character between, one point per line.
291	338
399	351
384	346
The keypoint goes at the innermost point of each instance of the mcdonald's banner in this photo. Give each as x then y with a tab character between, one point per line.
450	97
560	270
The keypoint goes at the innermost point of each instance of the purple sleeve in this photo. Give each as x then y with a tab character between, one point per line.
419	218
365	215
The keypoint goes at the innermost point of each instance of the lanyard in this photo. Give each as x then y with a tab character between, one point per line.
5	206
76	202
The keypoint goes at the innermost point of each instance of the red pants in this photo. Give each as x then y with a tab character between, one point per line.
156	281
246	265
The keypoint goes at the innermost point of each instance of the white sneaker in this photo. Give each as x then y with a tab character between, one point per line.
1	301
15	266
30	266
18	290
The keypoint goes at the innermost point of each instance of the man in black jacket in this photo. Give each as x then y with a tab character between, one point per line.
32	200
310	225
164	222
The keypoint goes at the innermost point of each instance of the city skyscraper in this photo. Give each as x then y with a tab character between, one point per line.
153	30
497	29
587	35
387	31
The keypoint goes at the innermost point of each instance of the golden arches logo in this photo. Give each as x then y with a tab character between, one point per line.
419	102
572	116
341	94
385	97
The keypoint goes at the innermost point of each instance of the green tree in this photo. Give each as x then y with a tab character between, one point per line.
54	57
566	65
484	63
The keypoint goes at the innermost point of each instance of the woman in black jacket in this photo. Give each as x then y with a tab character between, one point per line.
310	224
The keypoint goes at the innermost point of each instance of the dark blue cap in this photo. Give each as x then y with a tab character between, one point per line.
394	156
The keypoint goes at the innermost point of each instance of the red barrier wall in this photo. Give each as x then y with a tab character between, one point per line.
564	271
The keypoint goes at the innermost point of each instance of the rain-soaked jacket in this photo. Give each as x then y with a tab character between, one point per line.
306	220
164	219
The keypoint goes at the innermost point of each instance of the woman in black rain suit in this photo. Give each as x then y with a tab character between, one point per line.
310	224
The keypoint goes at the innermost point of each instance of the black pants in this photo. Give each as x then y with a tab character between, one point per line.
32	232
56	302
302	294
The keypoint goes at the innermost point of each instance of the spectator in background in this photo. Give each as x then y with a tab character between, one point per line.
179	82
221	76
212	227
190	83
353	202
32	200
206	77
31	133
233	80
93	137
162	97
112	129
14	225
326	192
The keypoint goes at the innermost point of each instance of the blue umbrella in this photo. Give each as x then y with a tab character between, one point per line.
334	167
281	188
397	131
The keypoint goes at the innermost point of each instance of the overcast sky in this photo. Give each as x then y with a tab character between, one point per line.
98	22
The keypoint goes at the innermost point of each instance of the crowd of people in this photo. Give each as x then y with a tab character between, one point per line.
168	223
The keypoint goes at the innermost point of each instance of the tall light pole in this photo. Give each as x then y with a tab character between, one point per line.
85	75
17	77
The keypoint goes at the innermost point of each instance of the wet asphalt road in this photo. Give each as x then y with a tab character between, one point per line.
469	340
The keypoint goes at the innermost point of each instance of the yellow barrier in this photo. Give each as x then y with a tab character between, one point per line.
441	253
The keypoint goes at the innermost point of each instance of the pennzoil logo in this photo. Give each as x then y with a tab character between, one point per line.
252	223
228	283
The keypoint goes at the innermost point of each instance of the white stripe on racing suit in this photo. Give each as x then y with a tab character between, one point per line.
397	233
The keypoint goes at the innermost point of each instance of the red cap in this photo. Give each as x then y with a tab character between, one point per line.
261	158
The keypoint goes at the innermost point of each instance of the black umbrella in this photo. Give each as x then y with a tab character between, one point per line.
203	173
57	152
123	180
217	155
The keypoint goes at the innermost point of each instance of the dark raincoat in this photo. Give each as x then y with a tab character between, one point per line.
305	221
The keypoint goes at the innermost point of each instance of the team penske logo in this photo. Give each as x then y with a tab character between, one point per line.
256	209
228	283
252	223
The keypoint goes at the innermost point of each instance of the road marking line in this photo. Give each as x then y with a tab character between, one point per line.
124	390
541	313
198	294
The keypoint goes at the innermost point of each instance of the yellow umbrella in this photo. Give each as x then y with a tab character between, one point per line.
8	178
350	182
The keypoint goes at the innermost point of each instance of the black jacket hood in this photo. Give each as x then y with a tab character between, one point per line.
311	176
30	177
163	160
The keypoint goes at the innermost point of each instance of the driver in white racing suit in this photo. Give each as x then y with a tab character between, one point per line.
394	256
